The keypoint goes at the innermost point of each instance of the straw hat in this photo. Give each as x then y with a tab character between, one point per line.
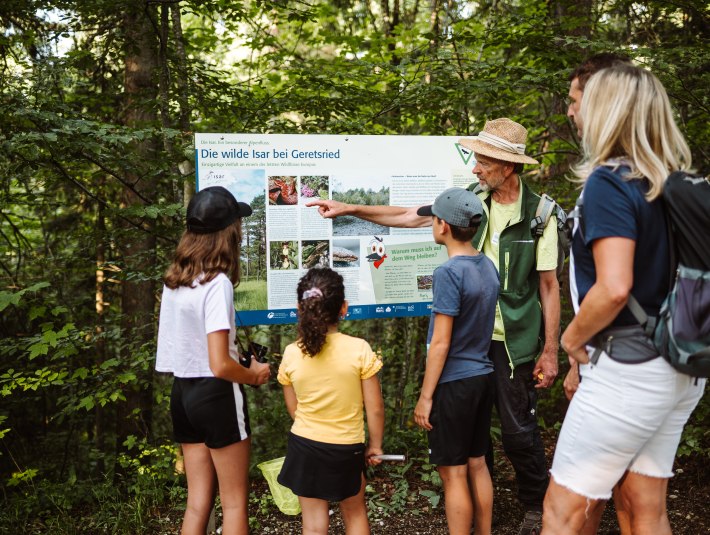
501	139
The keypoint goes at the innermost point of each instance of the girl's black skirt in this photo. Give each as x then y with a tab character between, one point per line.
314	469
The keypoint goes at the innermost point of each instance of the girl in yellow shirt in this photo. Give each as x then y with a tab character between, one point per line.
327	377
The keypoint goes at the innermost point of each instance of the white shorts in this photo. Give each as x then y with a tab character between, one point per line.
623	417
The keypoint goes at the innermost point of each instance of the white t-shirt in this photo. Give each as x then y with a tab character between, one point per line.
187	316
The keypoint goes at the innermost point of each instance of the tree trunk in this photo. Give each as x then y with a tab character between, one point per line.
138	247
182	90
100	344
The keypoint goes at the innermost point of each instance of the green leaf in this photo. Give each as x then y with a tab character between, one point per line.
87	403
80	373
13	298
433	496
110	363
37	312
130	441
51	337
9	298
37	349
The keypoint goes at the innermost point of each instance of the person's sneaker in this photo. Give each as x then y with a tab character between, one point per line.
532	523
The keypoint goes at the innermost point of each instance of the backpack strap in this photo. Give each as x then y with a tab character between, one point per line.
475	187
672	245
543	213
576	213
646	321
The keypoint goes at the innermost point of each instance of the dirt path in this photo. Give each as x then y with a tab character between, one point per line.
688	499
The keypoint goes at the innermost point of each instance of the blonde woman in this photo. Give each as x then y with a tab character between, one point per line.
624	423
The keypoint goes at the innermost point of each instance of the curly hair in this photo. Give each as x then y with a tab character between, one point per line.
207	255
319	308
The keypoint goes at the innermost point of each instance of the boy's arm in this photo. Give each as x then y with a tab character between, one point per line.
388	216
438	351
291	401
375	410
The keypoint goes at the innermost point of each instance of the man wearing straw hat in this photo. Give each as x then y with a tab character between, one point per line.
529	300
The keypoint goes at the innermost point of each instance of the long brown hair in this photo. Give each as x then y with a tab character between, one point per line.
319	308
206	254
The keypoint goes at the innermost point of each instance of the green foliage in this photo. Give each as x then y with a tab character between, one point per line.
92	507
696	434
270	422
433	497
361	196
92	200
13	298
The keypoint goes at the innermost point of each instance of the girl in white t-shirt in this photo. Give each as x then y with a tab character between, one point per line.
327	377
196	344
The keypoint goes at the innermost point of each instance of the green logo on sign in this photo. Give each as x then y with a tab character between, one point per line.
465	153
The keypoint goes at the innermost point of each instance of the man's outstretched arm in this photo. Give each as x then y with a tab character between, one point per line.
388	216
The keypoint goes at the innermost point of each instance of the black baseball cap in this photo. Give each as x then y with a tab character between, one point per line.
456	206
213	209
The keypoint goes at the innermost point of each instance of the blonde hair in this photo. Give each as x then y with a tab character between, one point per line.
626	115
207	255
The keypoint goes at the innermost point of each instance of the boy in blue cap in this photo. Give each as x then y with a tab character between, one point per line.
457	392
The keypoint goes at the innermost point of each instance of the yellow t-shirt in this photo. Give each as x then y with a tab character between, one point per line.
498	218
329	388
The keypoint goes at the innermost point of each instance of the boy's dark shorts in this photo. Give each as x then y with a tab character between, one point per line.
461	420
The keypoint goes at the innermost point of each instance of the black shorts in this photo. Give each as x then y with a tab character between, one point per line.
461	420
209	410
315	469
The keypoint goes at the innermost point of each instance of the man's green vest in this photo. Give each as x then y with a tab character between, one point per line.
519	298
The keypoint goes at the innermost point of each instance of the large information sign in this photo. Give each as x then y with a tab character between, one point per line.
387	271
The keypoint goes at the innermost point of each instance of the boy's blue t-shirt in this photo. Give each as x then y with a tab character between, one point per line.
466	287
615	207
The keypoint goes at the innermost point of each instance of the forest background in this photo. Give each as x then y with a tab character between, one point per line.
99	103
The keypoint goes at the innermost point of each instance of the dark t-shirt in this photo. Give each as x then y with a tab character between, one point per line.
466	288
614	207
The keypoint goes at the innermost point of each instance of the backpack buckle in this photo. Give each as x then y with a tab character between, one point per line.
536	226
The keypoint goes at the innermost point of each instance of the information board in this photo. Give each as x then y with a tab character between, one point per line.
387	271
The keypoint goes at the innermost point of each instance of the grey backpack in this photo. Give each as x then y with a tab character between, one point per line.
546	208
682	330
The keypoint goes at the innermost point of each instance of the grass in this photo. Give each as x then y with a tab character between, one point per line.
251	295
